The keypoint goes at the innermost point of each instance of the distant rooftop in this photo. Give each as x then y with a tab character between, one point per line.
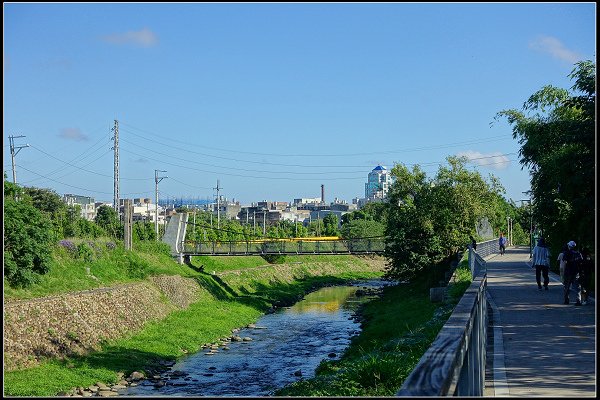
379	168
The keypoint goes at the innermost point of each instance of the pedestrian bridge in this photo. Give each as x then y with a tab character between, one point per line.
176	232
284	246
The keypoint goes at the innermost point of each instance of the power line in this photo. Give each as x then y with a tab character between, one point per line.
77	187
187	184
238	175
440	146
63	151
241	169
83	169
80	157
271	171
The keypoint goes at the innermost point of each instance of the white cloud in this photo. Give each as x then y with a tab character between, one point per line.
495	160
73	134
554	47
143	38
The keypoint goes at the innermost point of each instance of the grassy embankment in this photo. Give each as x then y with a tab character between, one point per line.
400	326
245	288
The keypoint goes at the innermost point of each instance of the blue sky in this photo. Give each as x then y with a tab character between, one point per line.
271	99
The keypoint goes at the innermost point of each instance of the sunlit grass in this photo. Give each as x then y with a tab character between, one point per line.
223	304
399	327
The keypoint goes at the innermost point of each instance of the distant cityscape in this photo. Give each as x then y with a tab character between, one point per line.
301	210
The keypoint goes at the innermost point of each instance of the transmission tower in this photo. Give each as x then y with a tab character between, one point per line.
115	129
218	188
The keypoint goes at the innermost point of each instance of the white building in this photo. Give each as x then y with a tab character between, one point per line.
378	183
87	205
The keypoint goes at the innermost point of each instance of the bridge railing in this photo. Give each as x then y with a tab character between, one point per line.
342	246
488	247
454	365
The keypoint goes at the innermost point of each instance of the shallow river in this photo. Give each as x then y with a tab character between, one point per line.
286	346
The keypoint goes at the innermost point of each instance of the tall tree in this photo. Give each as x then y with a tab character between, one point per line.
330	224
108	219
429	220
556	131
28	240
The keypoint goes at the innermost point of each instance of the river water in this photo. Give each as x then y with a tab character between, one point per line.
285	346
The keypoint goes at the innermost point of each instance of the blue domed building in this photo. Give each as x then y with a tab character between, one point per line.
378	183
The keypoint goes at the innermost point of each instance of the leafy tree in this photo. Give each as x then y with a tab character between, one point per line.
108	219
300	230
316	228
88	229
429	220
143	230
11	190
556	131
46	200
374	211
28	242
361	228
330	224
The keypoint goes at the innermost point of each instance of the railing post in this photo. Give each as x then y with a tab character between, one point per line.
471	261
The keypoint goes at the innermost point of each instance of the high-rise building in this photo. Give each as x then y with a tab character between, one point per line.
378	183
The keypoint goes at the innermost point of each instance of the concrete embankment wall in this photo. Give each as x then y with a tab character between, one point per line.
77	322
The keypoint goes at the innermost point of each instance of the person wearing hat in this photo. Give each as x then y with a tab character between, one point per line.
541	261
573	264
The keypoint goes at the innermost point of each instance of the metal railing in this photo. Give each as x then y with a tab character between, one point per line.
350	246
488	247
454	365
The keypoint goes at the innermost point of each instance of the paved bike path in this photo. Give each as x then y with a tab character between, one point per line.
541	347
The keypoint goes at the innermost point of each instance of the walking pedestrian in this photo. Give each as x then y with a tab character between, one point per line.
561	263
541	261
473	243
502	244
573	264
585	275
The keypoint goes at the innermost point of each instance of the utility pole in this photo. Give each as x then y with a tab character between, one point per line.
128	221
115	129
508	230
318	224
254	221
157	179
264	223
13	154
218	205
530	222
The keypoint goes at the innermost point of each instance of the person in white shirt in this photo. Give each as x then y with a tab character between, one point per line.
561	263
541	261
